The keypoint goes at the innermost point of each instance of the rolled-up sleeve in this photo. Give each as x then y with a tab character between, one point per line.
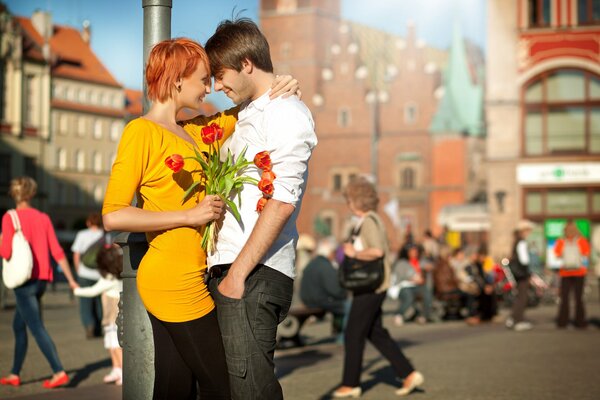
291	138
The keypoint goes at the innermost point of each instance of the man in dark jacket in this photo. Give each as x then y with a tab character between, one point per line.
320	287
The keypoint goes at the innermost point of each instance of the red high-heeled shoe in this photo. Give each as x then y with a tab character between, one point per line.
62	381
10	381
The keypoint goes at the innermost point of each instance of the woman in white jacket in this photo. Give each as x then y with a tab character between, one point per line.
110	266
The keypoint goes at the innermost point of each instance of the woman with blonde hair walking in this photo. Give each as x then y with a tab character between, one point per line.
39	233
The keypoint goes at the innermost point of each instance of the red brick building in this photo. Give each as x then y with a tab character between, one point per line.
364	87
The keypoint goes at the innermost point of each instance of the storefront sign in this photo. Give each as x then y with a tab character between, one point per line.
536	174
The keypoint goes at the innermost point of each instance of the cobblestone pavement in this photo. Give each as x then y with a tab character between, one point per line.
459	362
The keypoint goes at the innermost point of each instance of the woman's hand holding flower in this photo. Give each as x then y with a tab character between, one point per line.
209	209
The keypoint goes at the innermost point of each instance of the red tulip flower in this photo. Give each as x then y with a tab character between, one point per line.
174	162
268	176
263	161
266	187
211	133
261	204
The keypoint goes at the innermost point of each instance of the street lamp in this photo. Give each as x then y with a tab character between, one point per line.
375	97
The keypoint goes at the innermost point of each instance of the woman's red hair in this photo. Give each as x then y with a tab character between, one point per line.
169	61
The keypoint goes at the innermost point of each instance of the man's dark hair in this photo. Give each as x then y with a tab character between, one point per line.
235	41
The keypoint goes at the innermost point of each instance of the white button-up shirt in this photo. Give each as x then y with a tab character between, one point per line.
284	128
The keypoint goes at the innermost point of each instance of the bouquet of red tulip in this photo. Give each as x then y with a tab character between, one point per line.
223	177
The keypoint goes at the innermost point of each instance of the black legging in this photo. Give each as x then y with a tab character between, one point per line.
189	357
364	322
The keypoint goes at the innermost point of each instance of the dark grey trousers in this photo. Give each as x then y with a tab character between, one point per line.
249	329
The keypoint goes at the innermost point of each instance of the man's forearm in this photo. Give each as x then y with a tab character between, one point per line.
268	227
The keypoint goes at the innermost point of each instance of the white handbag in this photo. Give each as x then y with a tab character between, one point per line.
17	270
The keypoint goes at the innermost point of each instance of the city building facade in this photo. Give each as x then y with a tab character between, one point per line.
543	119
373	96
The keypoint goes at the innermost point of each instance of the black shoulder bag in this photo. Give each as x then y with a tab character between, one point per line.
359	276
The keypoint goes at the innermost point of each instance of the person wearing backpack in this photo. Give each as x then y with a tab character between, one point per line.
573	250
86	240
37	229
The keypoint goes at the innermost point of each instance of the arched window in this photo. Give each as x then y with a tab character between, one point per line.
80	160
561	112
115	130
407	179
61	161
97	161
98	127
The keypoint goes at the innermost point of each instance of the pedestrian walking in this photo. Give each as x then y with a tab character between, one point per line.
39	233
365	318
90	308
519	266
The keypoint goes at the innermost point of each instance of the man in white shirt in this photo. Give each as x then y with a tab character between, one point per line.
253	264
90	308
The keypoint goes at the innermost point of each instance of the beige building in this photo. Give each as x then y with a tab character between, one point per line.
63	114
543	119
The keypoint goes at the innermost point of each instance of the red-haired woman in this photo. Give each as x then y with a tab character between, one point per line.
189	352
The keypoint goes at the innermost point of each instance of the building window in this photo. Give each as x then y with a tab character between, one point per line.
80	160
5	170
566	202
61	159
63	124
115	130
557	108
562	203
337	182
81	126
407	179
71	93
59	91
539	13
97	162
588	12
344	117
410	113
98	129
533	203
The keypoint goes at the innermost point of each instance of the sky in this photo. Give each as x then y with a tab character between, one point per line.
117	25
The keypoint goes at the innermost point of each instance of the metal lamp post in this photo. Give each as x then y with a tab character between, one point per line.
135	331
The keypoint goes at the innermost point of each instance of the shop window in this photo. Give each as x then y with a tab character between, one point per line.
566	202
533	203
557	108
596	203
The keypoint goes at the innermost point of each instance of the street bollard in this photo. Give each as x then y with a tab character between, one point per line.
135	331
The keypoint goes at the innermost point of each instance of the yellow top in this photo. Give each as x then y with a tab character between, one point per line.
170	276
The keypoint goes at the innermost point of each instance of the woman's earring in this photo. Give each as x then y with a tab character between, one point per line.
178	88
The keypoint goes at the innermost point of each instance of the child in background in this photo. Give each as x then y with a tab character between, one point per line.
110	266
